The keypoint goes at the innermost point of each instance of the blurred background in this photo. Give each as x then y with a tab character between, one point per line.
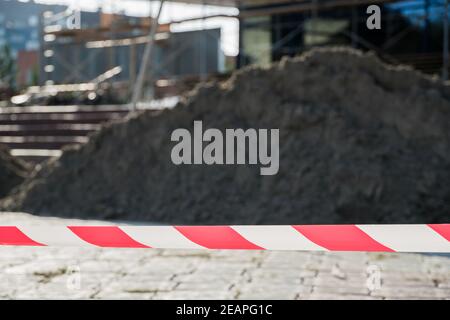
66	67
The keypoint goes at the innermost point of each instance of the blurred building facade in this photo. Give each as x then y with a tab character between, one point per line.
54	44
21	31
27	68
411	30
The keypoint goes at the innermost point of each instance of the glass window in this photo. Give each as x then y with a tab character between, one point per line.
33	21
257	41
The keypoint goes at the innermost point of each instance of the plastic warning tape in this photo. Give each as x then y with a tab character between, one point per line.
380	238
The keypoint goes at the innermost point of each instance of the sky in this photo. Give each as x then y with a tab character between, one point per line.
171	11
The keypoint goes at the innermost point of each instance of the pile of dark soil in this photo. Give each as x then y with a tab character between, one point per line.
360	142
12	171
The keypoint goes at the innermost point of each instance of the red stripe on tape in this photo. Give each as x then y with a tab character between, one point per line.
108	237
12	236
341	238
217	237
442	229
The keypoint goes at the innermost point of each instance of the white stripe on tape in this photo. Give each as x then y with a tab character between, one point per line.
277	238
53	236
407	238
160	237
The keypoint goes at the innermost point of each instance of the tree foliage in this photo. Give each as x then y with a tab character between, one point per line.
7	67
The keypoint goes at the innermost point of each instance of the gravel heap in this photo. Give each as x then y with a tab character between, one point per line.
360	142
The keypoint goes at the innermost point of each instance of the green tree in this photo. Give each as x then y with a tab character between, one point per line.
7	67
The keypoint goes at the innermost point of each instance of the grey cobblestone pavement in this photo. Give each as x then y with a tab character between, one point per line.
85	273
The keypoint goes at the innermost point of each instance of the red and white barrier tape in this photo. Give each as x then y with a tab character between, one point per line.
381	238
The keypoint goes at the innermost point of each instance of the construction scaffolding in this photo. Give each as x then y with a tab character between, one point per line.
413	32
81	54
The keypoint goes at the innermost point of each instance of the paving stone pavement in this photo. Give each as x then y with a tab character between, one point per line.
90	273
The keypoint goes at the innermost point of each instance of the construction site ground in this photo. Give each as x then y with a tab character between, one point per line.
84	273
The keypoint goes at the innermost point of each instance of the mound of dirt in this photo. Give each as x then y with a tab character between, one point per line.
12	171
360	142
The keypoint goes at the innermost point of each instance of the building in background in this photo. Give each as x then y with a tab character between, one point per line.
54	44
27	68
19	25
20	30
411	31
